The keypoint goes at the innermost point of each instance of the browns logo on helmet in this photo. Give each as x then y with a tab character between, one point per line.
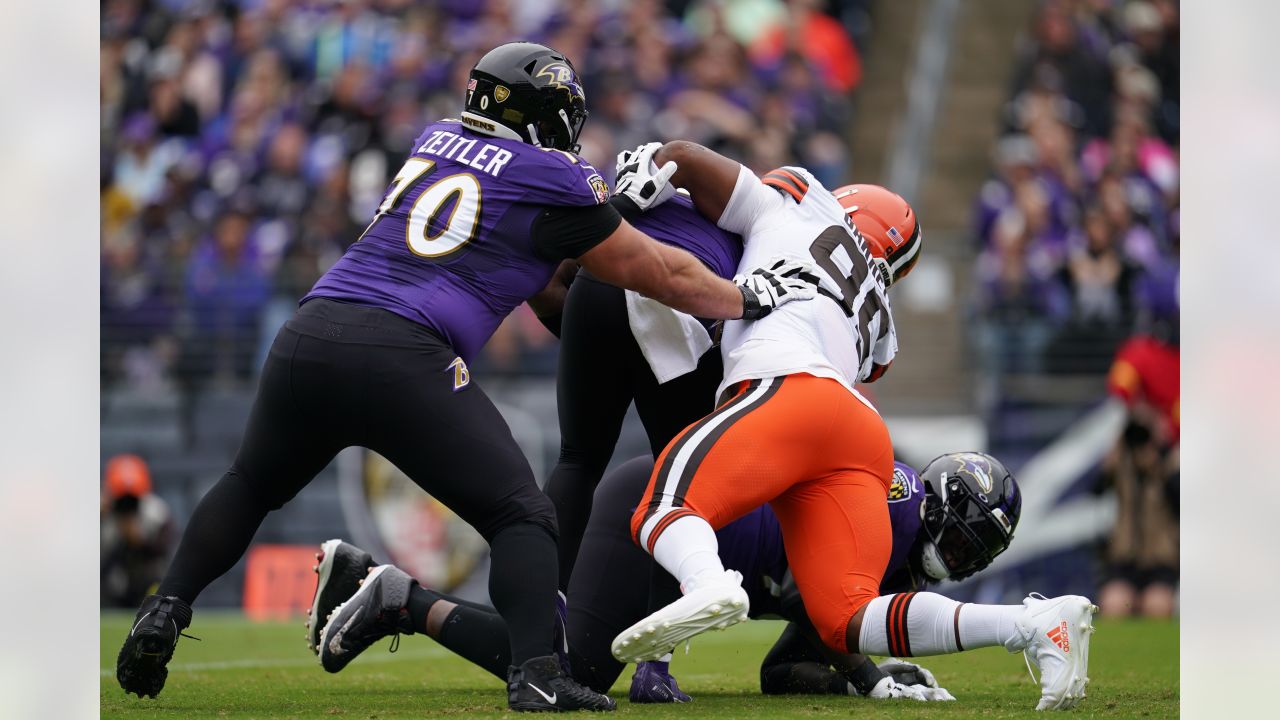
887	223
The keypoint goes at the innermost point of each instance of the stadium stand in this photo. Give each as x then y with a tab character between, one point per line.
246	143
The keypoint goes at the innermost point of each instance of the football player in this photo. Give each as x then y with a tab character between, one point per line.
605	343
792	431
617	347
938	533
476	222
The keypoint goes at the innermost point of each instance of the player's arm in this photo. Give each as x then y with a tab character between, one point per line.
723	190
617	253
631	259
889	680
548	303
708	176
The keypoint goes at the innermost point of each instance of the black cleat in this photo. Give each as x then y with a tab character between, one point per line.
140	667
341	568
376	610
539	686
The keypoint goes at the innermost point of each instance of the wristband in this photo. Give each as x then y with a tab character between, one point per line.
751	308
865	677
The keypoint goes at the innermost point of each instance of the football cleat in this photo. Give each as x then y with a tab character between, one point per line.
714	605
653	683
378	609
538	685
1053	634
141	665
341	568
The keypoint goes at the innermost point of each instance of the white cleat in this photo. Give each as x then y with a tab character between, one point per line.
1054	635
711	606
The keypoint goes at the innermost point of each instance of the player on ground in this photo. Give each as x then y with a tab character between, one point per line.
932	539
475	223
791	431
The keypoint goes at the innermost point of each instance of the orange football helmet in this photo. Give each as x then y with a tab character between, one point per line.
887	223
128	475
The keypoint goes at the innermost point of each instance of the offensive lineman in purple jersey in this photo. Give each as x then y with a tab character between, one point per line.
933	538
476	222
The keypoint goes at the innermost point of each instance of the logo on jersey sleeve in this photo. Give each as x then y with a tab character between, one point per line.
600	188
901	488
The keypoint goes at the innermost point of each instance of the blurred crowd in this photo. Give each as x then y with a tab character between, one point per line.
245	143
1079	227
1078	262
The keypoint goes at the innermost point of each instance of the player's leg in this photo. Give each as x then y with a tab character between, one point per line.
452	441
667	409
1054	632
609	589
283	448
592	395
746	452
793	666
388	602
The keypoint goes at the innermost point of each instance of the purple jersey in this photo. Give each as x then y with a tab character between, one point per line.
451	245
676	222
752	544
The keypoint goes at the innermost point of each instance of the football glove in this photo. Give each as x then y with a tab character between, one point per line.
890	689
908	673
642	181
764	289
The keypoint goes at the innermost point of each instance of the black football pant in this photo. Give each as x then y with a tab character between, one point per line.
601	372
608	594
340	375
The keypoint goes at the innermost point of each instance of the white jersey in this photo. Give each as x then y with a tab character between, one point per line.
846	333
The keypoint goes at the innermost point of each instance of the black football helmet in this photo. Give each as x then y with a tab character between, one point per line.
972	505
528	92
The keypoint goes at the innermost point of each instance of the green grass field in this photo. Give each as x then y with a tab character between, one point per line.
248	670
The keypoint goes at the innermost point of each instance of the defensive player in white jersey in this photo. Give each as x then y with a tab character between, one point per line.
791	430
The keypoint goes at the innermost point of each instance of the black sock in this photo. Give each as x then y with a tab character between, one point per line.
522	583
216	537
420	601
479	636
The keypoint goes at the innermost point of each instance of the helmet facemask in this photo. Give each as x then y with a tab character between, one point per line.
965	534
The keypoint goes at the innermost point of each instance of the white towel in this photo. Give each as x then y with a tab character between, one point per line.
671	341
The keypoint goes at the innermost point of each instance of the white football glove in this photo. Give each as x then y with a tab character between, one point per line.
784	280
890	689
909	673
641	180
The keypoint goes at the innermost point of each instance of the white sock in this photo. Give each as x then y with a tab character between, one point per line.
689	551
924	623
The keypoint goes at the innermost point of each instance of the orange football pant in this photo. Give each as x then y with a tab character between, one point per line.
819	455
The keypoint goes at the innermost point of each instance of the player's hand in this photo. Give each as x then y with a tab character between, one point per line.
641	180
908	673
782	281
890	689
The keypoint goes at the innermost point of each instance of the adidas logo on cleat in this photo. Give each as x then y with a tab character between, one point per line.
1058	636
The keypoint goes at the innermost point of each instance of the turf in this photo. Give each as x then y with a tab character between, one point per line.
252	670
